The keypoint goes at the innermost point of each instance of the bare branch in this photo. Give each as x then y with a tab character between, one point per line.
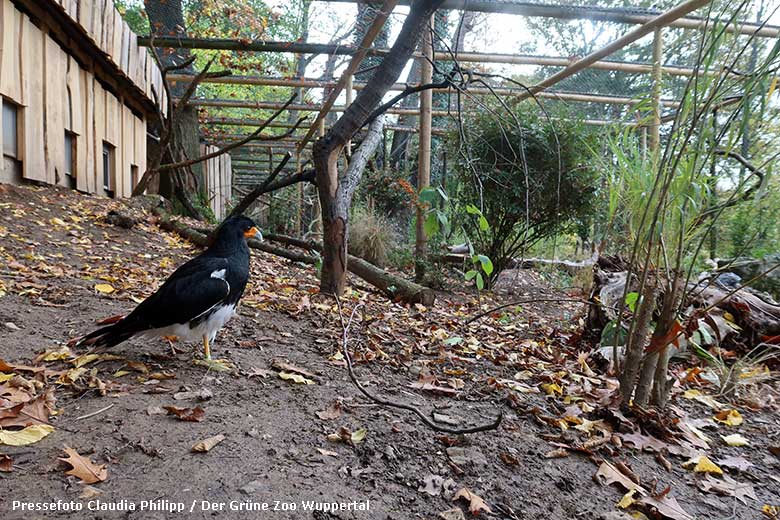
402	406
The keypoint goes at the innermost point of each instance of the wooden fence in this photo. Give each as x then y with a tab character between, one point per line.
218	174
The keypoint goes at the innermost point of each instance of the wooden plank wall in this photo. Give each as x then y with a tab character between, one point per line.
218	173
111	34
53	93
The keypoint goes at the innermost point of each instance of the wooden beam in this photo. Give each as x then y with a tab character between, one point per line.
655	128
636	16
560	96
371	34
232	121
661	20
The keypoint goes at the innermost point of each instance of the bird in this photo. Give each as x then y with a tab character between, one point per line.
196	300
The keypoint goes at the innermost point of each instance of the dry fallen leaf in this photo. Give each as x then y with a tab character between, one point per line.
727	486
186	414
29	435
84	469
333	411
729	417
6	463
735	440
296	378
345	436
666	506
206	444
608	474
104	288
702	464
476	504
738	463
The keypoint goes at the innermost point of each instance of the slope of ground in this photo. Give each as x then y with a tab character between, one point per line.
289	444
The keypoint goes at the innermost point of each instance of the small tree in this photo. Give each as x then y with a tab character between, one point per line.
528	175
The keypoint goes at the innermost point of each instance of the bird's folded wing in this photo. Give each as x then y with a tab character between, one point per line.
191	290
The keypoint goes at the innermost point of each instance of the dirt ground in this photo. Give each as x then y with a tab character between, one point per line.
56	249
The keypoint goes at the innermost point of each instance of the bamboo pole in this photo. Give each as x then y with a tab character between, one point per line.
354	63
477	91
606	14
229	121
655	129
424	150
585	98
659	21
349	94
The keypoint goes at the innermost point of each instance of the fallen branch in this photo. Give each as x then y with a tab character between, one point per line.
394	287
402	406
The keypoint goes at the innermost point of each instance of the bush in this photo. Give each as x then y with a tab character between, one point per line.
371	236
530	177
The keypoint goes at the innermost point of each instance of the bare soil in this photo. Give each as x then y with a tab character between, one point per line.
56	249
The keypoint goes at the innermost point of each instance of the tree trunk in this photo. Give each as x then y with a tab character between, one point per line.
336	190
166	18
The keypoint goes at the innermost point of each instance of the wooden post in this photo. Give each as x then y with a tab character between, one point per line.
655	129
424	153
298	214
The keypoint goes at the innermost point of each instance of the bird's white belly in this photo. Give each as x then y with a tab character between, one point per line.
208	327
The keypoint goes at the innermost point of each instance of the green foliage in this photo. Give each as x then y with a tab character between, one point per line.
522	178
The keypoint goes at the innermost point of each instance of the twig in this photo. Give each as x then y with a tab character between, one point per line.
391	404
95	413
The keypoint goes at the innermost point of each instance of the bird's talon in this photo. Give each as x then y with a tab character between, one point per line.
217	365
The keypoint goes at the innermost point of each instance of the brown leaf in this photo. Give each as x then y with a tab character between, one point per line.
608	474
206	444
476	504
186	414
727	486
333	411
35	411
735	462
83	468
283	366
428	383
666	506
6	463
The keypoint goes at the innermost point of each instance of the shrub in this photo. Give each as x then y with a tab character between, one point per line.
371	236
530	177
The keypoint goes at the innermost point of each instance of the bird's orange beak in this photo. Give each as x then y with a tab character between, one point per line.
249	233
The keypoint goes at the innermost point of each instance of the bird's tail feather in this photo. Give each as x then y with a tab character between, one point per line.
106	337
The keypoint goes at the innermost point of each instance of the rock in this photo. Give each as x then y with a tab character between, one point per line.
748	268
252	487
452	514
120	220
463	456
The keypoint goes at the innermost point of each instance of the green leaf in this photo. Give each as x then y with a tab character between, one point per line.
631	299
471	274
471	209
487	264
442	194
480	282
431	224
483	223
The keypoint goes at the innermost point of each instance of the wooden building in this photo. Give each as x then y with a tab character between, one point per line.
76	94
218	174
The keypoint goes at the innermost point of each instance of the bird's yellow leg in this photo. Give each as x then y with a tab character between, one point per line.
218	365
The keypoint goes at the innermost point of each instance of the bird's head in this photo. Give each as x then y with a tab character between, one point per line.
237	229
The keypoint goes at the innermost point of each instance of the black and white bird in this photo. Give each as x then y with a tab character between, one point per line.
197	300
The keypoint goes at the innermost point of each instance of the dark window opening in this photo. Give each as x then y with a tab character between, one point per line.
133	176
11	158
108	169
70	159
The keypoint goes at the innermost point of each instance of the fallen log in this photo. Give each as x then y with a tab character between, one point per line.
393	286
